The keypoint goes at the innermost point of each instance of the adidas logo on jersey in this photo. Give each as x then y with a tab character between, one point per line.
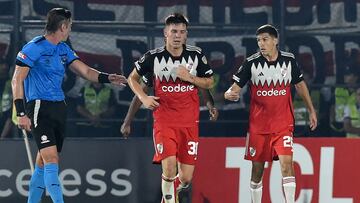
261	74
164	69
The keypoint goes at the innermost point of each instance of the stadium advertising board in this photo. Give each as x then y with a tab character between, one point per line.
117	170
326	172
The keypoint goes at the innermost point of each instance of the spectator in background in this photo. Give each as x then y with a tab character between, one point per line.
352	117
344	95
5	100
96	103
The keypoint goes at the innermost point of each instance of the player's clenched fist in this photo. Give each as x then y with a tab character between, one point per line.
150	102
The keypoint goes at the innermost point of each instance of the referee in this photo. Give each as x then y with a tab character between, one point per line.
38	76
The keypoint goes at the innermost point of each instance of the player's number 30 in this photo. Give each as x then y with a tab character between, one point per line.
193	148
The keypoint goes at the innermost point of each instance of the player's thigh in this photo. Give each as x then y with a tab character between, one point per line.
186	172
44	134
188	144
258	147
168	166
165	142
283	143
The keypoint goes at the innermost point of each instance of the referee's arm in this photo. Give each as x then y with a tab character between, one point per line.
85	71
17	82
17	85
94	75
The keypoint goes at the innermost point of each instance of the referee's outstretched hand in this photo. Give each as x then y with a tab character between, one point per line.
117	79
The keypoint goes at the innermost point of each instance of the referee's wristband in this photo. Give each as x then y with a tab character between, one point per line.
20	108
103	78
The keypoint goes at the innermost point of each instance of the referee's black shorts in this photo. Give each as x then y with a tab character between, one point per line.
47	122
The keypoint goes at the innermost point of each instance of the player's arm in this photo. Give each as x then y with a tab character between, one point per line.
133	108
17	85
94	75
302	90
148	101
203	82
233	93
214	113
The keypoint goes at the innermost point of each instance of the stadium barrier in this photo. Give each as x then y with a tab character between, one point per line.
120	170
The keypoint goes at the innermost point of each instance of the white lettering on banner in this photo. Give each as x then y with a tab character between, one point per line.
122	182
95	182
326	178
7	192
21	181
70	177
178	88
271	92
303	157
234	159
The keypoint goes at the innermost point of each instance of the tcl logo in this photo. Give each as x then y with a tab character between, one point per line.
178	88
271	92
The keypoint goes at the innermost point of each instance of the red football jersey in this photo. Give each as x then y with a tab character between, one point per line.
179	100
271	109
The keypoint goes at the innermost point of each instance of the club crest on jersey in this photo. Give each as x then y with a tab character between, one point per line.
165	68
283	71
271	74
160	148
252	151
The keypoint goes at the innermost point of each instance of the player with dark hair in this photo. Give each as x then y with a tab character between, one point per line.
271	73
178	71
38	76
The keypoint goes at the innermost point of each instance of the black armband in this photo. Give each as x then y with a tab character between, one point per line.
103	78
20	108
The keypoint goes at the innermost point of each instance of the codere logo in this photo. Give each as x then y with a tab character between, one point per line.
178	88
271	92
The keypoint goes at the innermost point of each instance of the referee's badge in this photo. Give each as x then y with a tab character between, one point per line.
63	59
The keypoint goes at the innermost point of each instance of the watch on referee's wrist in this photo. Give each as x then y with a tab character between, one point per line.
103	78
20	108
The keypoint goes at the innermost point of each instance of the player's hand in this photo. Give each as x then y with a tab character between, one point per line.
125	129
183	73
117	79
232	95
150	102
24	123
214	113
313	120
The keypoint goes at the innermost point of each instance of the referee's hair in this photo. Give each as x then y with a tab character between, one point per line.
176	18
55	18
271	30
